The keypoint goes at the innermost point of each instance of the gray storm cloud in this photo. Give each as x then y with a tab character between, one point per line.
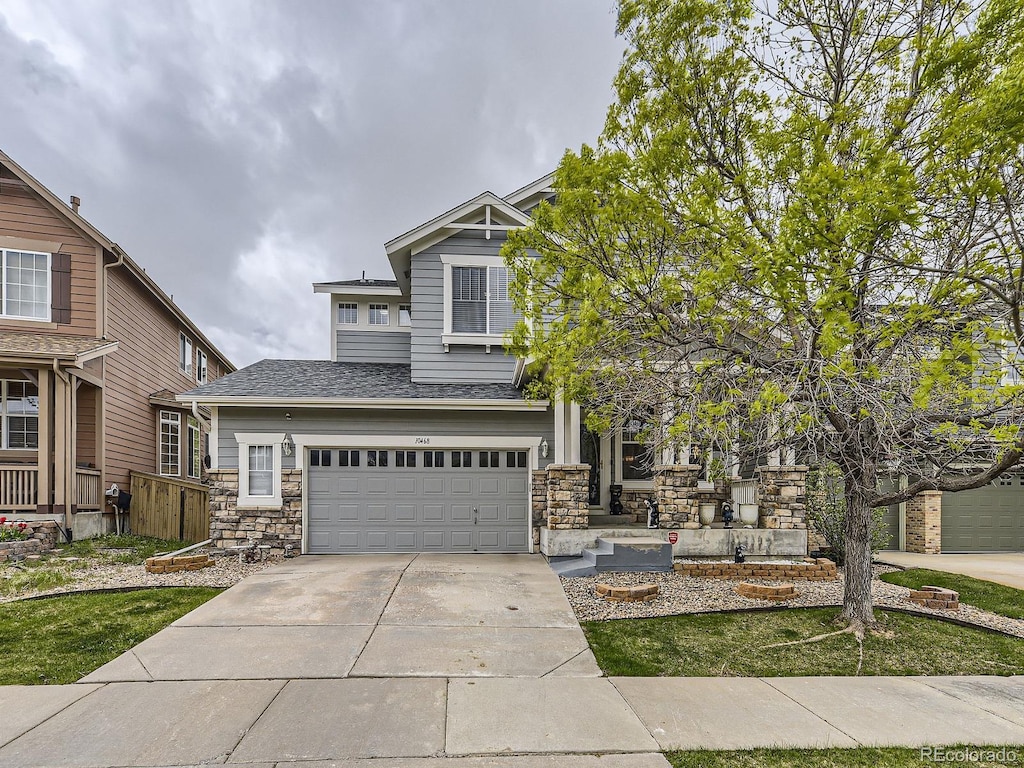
241	151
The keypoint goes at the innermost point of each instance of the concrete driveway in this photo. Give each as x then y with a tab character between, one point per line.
372	616
1001	567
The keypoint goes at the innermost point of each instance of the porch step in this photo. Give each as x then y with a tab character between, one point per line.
610	521
634	553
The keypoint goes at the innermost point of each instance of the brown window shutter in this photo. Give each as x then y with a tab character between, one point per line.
60	288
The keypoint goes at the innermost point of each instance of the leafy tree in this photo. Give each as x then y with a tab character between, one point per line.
800	228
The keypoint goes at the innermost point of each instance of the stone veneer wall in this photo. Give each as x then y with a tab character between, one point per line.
568	495
42	537
272	525
538	503
675	490
924	523
633	503
782	497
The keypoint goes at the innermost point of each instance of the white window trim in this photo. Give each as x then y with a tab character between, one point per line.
48	317
186	352
337	313
193	426
202	363
245	440
363	317
408	308
160	441
448	336
378	305
4	416
616	446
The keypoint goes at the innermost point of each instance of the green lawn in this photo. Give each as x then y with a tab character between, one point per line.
732	644
60	639
865	757
986	595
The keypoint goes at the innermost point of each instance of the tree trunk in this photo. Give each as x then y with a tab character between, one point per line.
857	605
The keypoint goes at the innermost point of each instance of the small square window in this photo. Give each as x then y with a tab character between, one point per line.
405	459
376	458
489	459
320	458
379	314
348	458
462	459
405	315
348	314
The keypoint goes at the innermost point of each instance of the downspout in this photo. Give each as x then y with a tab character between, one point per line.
199	418
69	467
115	249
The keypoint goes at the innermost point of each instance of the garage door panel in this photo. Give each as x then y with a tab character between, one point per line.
419	508
988	519
433	513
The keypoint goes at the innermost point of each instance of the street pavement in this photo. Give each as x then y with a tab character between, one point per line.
458	661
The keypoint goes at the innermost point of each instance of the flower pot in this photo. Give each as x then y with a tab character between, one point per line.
707	514
705	485
748	515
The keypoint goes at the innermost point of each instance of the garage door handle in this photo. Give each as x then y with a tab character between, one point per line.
475	510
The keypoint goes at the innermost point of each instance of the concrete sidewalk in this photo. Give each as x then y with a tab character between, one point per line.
544	721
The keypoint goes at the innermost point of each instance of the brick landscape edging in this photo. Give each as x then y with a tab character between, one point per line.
819	569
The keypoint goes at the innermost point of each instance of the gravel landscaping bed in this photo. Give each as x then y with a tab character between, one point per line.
685	594
225	572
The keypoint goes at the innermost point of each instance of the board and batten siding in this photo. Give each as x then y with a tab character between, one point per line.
373	422
372	346
430	363
146	362
24	215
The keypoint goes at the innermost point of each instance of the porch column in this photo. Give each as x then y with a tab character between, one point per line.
575	429
560	427
924	523
44	461
675	491
63	445
782	497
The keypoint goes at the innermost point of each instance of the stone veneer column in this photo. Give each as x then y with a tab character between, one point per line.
782	497
538	502
568	496
273	525
675	491
924	523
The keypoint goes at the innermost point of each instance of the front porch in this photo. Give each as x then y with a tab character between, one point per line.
690	512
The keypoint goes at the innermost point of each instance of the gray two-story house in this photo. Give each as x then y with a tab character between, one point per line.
415	435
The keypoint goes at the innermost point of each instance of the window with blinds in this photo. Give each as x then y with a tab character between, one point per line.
480	302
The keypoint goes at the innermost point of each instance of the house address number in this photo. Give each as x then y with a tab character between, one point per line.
421	441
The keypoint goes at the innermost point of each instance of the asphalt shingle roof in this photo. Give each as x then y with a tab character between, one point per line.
323	379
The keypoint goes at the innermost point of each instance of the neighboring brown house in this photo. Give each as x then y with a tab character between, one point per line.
92	354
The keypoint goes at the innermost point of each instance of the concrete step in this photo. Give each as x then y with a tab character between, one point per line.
633	553
573	567
610	521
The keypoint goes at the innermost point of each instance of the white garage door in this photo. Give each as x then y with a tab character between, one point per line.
396	500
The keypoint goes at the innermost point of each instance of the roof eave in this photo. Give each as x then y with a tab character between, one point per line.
408	403
358	290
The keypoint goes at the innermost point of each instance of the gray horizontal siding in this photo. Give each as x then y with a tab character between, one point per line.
430	363
373	347
372	422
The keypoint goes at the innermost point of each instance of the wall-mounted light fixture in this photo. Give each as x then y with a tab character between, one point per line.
287	445
544	448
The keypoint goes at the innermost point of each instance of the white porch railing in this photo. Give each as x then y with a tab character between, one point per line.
744	492
88	491
18	487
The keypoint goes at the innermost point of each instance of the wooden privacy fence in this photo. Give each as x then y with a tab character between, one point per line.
168	508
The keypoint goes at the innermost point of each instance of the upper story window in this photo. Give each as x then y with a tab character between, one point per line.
405	315
185	354
476	297
348	314
201	367
379	314
25	284
20	406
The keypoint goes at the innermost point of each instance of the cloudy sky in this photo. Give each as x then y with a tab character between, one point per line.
241	151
